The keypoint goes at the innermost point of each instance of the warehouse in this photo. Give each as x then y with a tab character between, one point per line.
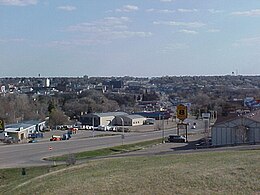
112	119
239	129
97	119
130	120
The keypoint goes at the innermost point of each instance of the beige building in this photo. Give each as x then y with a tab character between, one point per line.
20	131
112	119
100	119
17	134
130	120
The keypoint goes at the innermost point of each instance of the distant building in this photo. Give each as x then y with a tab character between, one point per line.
252	102
101	88
158	115
116	84
47	82
3	89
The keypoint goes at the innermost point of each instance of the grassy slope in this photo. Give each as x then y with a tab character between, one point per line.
200	173
109	151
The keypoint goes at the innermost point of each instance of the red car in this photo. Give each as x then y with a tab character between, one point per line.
56	138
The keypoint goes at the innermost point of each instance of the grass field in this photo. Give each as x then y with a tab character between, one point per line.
233	172
108	151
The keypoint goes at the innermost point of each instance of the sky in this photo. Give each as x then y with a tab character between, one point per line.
141	38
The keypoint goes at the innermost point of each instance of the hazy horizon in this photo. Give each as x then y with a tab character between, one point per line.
147	38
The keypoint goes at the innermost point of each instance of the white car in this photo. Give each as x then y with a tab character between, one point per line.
111	128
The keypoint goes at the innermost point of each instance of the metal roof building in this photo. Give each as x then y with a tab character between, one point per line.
112	118
20	131
96	119
237	129
130	120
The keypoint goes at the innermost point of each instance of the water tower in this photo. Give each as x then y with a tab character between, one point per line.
47	82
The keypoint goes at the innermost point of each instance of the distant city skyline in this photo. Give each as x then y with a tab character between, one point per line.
142	38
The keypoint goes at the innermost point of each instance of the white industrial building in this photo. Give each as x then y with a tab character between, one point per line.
20	131
111	119
239	129
97	119
130	120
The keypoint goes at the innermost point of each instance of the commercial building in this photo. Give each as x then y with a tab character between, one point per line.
130	120
237	129
111	119
21	131
97	119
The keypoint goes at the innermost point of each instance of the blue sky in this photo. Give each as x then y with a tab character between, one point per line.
143	38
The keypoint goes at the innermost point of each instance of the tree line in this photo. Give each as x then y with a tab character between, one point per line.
60	108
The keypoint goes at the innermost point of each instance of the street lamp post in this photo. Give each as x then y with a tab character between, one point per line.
123	130
93	123
161	124
161	118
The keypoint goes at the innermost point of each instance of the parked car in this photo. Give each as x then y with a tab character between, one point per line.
204	142
176	138
88	127
121	129
35	135
55	138
10	140
33	141
73	130
101	128
149	121
66	136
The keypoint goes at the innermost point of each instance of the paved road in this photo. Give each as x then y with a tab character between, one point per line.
23	155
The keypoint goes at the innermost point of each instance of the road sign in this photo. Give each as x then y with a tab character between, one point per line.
182	113
2	124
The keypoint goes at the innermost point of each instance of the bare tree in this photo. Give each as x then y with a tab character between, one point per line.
57	117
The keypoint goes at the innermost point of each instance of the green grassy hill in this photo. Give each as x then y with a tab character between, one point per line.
232	172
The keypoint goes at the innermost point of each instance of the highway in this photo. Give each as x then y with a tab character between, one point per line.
32	154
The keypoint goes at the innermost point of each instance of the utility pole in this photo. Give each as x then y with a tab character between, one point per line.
93	125
163	141
123	130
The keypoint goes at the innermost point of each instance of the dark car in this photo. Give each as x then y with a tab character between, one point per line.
33	141
176	138
66	136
